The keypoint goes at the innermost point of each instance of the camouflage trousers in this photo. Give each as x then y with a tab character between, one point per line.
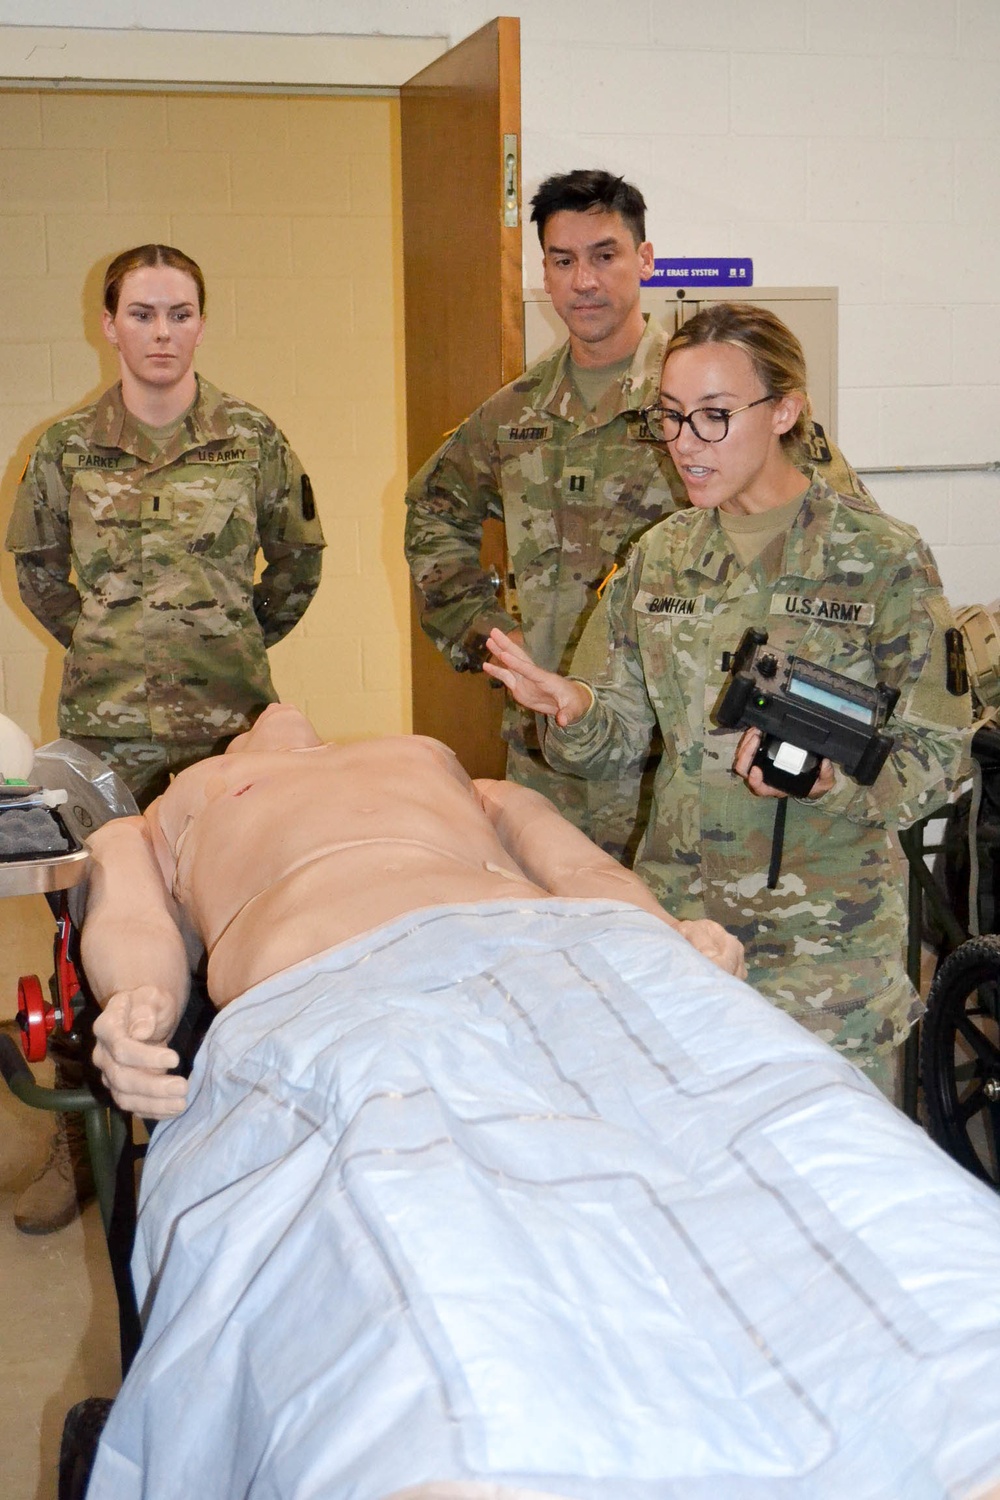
146	766
868	1032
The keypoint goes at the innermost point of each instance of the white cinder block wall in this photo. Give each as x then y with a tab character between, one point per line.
844	142
851	143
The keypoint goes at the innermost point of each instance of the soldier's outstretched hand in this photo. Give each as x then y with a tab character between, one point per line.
560	698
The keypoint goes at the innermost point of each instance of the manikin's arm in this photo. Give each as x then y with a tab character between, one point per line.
559	858
138	967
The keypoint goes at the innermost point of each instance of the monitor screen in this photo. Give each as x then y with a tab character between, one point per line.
801	687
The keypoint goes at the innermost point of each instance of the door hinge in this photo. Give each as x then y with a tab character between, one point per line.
510	199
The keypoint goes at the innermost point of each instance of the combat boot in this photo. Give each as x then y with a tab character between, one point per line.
65	1182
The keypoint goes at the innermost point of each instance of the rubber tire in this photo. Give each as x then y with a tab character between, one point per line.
80	1436
960	1007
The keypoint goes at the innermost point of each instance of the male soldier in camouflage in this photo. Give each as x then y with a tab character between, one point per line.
828	578
564	458
135	531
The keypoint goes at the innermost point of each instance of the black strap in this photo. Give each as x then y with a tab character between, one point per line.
121	1239
777	842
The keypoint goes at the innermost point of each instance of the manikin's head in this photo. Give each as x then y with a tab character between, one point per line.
281	726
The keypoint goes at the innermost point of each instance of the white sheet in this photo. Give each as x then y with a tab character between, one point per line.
530	1194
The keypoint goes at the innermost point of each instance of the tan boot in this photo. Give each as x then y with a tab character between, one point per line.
64	1184
24	1132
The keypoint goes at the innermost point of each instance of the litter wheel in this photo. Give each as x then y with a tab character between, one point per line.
960	1057
35	1017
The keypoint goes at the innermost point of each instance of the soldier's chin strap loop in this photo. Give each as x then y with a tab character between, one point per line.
777	842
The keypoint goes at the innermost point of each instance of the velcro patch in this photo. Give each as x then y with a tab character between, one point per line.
817	446
829	611
577	484
648	603
529	432
956	670
156	508
105	462
234	453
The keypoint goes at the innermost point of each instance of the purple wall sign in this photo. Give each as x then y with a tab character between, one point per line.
723	270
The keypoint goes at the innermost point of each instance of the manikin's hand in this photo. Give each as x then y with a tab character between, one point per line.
753	776
133	1061
543	692
715	943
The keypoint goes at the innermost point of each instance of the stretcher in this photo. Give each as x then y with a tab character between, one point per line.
483	1198
57	1017
63	1019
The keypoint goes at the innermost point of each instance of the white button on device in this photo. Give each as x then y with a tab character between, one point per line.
790	758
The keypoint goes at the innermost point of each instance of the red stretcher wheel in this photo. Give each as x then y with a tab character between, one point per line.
35	1017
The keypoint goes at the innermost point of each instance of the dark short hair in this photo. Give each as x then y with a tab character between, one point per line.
149	255
579	192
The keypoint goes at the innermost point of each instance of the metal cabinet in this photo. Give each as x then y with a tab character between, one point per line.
810	312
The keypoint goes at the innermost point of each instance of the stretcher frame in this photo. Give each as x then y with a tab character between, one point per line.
109	1131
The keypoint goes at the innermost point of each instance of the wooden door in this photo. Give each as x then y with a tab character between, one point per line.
463	321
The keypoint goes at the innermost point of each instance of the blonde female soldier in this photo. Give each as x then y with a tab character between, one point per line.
827	577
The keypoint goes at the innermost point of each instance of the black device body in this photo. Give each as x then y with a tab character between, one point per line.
796	703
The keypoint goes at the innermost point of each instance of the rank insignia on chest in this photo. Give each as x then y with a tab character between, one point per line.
524	432
577	484
156	508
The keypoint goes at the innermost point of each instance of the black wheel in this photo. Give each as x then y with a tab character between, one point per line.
960	1057
80	1436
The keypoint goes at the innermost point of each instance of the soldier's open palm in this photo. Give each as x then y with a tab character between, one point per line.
532	686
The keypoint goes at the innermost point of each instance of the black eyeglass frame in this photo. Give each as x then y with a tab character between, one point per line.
717	411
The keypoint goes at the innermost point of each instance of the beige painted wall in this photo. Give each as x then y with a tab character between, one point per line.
291	206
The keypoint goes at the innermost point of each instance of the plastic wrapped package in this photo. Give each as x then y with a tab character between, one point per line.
95	793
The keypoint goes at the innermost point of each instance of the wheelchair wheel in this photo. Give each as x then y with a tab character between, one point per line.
80	1436
960	1057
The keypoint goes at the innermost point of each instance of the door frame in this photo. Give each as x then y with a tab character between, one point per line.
182	61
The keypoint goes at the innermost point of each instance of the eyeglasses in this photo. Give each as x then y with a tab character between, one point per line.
665	423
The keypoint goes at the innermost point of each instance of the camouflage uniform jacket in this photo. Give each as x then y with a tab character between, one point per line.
574	488
141	561
847	587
